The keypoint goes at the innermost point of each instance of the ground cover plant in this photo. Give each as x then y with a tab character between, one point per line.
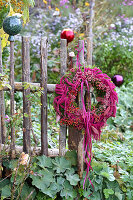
56	178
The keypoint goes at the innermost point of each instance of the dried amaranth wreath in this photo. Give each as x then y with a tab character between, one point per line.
87	114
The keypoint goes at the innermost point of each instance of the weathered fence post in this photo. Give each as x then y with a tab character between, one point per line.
90	38
44	139
26	92
75	137
63	128
2	104
80	149
89	51
12	107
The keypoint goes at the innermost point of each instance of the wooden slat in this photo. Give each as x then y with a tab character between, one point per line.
35	86
2	103
63	128
80	135
19	149
26	103
89	50
75	137
12	108
44	139
90	38
63	57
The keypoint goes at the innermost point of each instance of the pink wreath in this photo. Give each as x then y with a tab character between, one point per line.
94	116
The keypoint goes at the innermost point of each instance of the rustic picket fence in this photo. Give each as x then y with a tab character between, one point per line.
75	137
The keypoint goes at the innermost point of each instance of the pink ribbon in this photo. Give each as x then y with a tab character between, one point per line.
86	117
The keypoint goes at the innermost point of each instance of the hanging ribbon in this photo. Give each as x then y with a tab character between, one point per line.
86	116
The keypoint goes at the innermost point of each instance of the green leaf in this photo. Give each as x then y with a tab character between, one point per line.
26	115
42	179
44	162
94	196
13	164
107	192
51	191
61	164
97	166
60	182
26	191
71	177
72	157
68	191
86	192
37	181
3	183
8	86
6	192
109	176
118	195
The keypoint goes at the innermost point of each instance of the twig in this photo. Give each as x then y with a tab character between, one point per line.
21	186
27	170
6	177
14	181
30	194
33	134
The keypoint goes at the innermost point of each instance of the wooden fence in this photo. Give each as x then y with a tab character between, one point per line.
75	138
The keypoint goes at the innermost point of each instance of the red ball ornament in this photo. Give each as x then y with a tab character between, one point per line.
118	80
67	34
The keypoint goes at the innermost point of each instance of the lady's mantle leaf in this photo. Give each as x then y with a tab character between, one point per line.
72	178
107	192
109	176
6	192
68	191
42	179
44	161
61	164
119	195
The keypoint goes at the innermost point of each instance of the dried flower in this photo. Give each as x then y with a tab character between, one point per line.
24	159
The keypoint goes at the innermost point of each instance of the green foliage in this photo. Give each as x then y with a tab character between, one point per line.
3	13
6	192
104	182
107	192
3	80
113	58
53	176
5	188
124	115
117	155
27	4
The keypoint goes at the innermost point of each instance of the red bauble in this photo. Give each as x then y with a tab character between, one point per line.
67	34
118	80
